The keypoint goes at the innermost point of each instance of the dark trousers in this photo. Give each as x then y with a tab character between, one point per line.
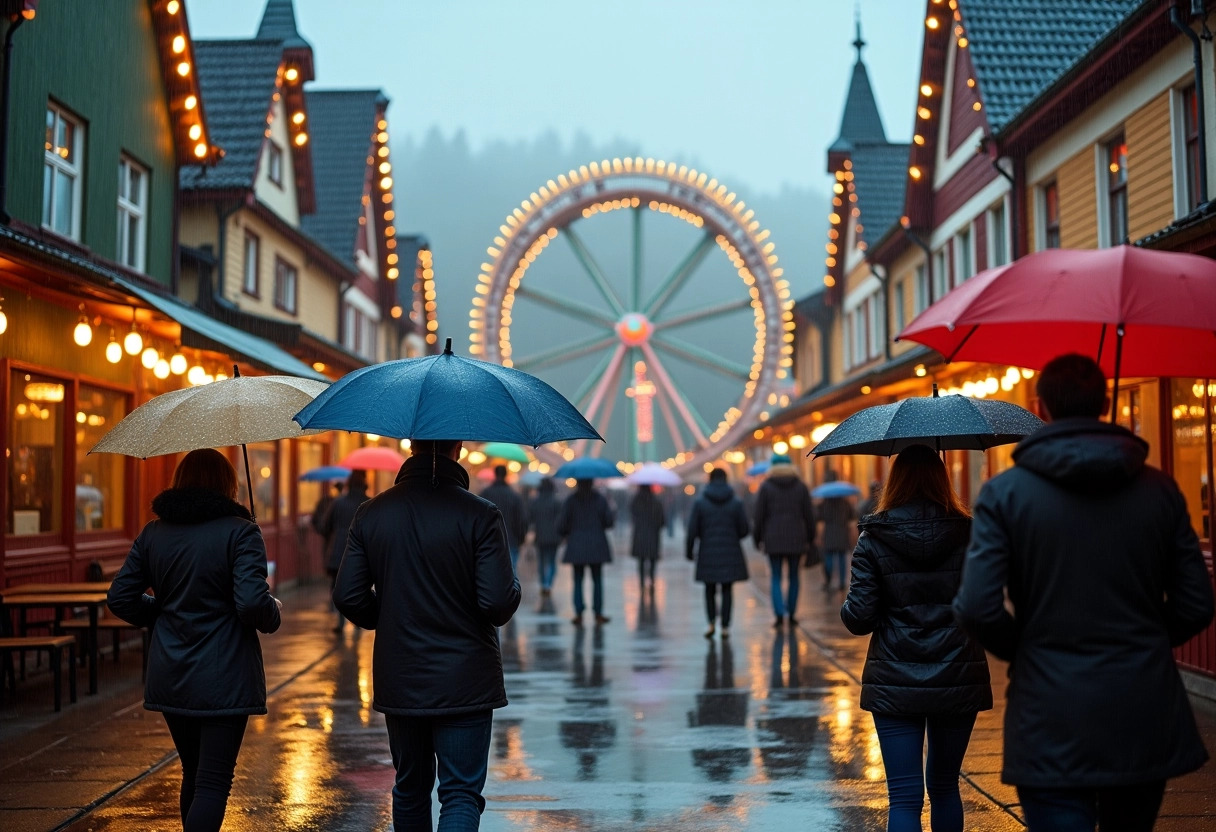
646	570
711	603
547	557
207	747
910	771
1131	808
834	561
597	588
458	747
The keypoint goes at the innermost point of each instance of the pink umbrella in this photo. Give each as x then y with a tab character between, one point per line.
373	459
487	475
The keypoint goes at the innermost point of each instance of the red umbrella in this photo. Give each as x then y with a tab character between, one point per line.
373	459
1139	312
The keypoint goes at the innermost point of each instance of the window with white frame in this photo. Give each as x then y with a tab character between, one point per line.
62	172
1114	154
360	332
941	274
274	163
864	330
251	278
874	325
922	289
900	319
998	235
132	213
285	285
964	256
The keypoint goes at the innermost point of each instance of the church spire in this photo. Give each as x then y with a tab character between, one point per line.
858	42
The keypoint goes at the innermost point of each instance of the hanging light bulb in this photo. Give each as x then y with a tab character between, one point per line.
3	319
149	358
161	368
133	342
83	333
113	349
177	364
195	375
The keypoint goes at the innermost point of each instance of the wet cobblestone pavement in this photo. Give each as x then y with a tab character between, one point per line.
641	724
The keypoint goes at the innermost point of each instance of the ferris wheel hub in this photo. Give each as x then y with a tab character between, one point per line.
634	329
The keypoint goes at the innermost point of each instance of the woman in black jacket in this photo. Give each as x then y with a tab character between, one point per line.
544	512
648	521
205	563
719	522
923	673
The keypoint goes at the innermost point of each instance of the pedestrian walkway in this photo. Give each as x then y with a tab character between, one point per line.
641	724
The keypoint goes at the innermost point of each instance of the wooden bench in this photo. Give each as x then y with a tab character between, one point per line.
116	627
53	645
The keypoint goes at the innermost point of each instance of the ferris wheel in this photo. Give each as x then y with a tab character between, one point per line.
634	328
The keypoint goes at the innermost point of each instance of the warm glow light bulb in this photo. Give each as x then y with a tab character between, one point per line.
133	343
177	364
195	375
3	323
83	334
161	369
113	352
149	357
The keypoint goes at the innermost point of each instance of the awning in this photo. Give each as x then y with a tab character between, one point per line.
204	332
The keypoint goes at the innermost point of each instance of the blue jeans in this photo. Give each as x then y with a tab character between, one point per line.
460	744
547	555
207	747
1130	808
597	588
834	562
909	774
791	567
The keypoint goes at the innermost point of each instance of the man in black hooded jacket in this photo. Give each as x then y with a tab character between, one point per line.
1103	569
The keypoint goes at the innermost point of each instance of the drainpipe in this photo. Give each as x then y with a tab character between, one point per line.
1176	19
216	290
5	85
1013	206
923	246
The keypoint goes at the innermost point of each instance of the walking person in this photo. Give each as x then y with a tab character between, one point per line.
837	515
648	521
514	511
584	522
718	521
335	525
870	504
924	676
427	567
784	529
1096	552
205	562
543	514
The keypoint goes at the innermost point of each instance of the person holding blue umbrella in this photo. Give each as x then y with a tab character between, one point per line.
586	518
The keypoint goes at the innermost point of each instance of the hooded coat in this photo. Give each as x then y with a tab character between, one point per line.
586	515
427	567
648	520
1105	575
719	522
206	563
784	520
906	570
336	522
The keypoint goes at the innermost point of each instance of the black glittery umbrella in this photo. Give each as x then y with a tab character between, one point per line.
944	423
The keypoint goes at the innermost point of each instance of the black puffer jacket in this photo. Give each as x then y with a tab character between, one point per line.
906	570
544	512
336	522
511	506
784	522
719	522
648	521
206	563
427	568
1105	574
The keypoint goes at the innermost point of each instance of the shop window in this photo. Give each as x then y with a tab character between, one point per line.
1115	156
311	455
62	172
284	478
1051	215
35	454
132	213
262	472
1188	398
100	478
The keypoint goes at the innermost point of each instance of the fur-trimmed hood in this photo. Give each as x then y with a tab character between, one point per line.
191	506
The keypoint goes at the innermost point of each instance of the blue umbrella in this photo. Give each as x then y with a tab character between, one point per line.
944	423
840	488
325	473
757	469
588	468
447	396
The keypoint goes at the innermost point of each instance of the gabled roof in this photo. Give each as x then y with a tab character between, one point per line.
237	78
342	123
1020	47
879	171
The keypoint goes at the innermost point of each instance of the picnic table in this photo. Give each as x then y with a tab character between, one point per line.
59	601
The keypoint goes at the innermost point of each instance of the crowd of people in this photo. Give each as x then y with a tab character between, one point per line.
1079	567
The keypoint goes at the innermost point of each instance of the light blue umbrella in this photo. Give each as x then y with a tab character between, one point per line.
447	396
588	468
325	473
758	469
840	488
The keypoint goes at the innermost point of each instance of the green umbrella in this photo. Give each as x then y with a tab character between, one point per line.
505	450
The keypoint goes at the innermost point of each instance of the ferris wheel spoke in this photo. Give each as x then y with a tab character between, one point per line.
609	406
634	445
673	428
583	254
606	382
635	296
585	389
563	353
704	314
573	308
703	357
672	283
691	418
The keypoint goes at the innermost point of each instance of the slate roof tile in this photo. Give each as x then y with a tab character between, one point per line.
879	173
861	121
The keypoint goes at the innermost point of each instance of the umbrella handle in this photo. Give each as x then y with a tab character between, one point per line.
236	373
1114	395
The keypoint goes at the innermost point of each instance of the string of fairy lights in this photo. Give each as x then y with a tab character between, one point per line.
177	54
